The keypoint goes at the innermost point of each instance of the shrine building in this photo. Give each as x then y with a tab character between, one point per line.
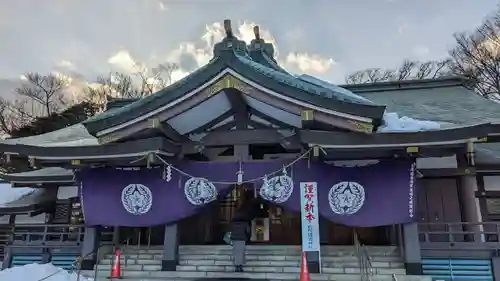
319	162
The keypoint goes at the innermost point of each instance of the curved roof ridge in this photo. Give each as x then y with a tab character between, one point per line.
261	57
293	81
332	87
153	96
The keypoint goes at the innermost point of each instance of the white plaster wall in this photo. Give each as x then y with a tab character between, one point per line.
437	162
4	219
26	219
491	183
66	192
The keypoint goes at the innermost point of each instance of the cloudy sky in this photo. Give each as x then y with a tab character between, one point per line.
327	38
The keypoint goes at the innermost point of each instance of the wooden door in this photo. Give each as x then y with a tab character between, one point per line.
285	227
439	204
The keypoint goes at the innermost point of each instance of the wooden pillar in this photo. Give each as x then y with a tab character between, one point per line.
89	248
467	192
411	249
170	258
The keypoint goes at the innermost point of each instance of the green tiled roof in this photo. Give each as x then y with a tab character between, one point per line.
240	61
295	82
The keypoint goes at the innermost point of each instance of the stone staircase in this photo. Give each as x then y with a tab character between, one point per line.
264	262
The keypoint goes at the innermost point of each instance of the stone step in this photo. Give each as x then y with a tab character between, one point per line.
285	258
281	269
270	252
196	275
339	263
250	257
382	250
249	268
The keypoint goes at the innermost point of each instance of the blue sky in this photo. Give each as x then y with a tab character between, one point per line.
326	38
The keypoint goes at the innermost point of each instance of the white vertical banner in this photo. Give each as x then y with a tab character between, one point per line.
309	217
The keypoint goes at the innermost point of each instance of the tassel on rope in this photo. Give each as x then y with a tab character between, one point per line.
167	173
240	175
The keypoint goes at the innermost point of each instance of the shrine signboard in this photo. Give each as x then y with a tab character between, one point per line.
309	217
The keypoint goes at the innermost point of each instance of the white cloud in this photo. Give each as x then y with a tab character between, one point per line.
178	75
162	6
421	51
403	27
202	52
310	64
124	61
66	64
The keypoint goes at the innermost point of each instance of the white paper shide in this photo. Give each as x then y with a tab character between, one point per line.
309	216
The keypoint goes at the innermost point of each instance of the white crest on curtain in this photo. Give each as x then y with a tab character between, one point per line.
137	199
199	191
277	189
346	198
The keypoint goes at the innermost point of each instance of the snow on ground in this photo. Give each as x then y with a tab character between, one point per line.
395	124
36	272
9	194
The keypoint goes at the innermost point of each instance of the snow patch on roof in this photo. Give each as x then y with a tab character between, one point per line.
76	135
9	194
393	123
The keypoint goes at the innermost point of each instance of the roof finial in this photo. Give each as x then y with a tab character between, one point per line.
227	28
256	31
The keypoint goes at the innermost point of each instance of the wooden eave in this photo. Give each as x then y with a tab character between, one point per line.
334	142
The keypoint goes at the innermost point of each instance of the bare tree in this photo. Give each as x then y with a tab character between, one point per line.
40	95
141	84
44	90
477	56
159	78
408	70
13	115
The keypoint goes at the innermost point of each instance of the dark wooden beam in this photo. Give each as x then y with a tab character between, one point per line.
241	137
242	151
212	123
239	106
226	127
280	124
447	172
244	137
167	130
257	125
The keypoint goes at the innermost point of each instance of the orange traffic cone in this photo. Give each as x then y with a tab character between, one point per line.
116	269
304	269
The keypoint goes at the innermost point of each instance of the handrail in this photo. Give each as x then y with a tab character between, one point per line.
365	264
394	277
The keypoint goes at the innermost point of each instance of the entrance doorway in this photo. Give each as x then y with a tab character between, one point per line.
272	225
143	236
